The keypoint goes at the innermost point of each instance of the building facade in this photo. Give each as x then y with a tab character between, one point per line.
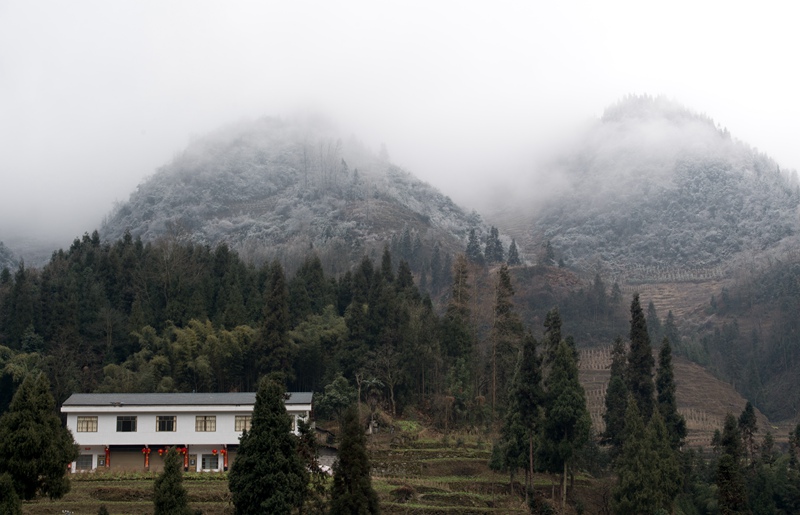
132	431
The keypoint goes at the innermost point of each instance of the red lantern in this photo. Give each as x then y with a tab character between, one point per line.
144	450
224	452
214	451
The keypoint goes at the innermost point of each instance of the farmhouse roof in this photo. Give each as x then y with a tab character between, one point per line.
176	399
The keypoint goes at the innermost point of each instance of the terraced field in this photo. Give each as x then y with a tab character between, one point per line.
703	399
414	472
132	494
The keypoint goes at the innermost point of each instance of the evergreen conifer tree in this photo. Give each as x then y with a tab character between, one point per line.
524	415
507	333
671	330
654	329
473	252
35	449
731	491
9	500
616	401
268	475
639	373
636	491
352	492
513	254
274	349
436	268
665	394
567	423
666	467
316	502
552	335
494	247
169	494
748	426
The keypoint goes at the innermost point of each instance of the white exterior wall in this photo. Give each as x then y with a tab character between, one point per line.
198	442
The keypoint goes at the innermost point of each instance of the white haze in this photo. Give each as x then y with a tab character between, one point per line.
96	95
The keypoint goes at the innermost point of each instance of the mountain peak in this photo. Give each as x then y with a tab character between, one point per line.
273	189
647	107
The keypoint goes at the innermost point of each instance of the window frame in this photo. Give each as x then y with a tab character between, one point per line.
209	459
84	462
86	424
131	425
205	423
163	421
242	423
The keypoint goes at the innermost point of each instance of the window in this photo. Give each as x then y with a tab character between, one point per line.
243	422
87	424
205	423
210	462
166	423
126	424
84	462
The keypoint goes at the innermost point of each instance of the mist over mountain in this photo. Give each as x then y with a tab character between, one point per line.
653	184
275	188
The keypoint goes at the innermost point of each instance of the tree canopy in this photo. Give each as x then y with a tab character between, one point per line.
35	449
268	475
352	492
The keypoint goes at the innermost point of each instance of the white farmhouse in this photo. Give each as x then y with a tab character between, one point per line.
133	430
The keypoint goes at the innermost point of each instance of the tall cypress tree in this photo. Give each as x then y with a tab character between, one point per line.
639	373
268	475
507	333
665	394
636	491
748	426
654	329
473	251
527	402
567	423
275	351
455	330
352	492
731	491
35	448
169	494
616	401
552	335
494	247
666	467
513	254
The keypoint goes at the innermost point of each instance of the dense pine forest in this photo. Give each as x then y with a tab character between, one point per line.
168	316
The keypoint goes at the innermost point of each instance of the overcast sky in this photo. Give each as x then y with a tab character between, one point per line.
96	95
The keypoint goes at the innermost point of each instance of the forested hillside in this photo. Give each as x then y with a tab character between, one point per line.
749	335
661	187
166	316
279	189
